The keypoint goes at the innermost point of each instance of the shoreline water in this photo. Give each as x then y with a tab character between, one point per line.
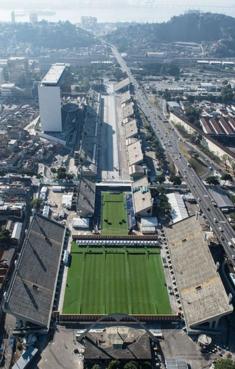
107	14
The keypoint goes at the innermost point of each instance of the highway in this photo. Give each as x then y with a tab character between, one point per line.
169	140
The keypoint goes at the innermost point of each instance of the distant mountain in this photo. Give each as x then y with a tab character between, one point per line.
190	27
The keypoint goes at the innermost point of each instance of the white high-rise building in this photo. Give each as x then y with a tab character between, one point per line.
50	99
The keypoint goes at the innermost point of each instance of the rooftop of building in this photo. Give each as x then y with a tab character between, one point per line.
126	96
31	293
221	198
54	74
142	198
131	129
178	208
135	154
128	110
202	292
123	343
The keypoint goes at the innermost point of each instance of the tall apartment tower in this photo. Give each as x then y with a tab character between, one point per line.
49	94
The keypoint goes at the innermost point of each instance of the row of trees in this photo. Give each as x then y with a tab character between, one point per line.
214	180
116	364
61	173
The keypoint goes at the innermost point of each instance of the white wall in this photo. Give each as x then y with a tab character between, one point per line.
50	108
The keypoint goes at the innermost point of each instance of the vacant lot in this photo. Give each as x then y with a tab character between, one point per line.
114	214
107	280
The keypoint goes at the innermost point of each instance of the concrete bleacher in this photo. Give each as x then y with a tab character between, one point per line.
32	290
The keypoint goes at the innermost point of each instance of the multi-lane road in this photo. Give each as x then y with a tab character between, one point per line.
170	141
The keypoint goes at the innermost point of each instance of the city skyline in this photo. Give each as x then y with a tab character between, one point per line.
113	10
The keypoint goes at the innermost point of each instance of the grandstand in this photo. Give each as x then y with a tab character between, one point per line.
31	294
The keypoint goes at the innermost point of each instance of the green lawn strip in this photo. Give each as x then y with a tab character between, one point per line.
73	285
155	283
150	308
163	300
135	284
106	283
128	284
114	212
102	274
110	280
91	288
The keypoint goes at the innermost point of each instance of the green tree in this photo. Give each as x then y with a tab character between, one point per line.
224	364
227	93
193	115
213	180
226	177
114	364
61	173
36	203
166	94
176	180
95	366
146	365
4	236
131	365
161	178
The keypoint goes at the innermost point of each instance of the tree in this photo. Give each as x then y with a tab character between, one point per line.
61	173
227	93
166	94
224	364
176	180
226	177
4	236
193	115
161	178
114	364
196	139
146	365
95	366
131	365
36	203
213	180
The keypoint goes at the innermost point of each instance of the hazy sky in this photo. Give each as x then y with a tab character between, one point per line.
113	10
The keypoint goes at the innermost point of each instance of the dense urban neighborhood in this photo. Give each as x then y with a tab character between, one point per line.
117	193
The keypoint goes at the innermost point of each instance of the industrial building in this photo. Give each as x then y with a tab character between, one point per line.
49	93
178	208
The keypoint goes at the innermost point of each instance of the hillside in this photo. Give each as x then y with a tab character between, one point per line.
190	27
59	35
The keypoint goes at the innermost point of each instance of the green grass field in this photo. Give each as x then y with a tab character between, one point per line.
113	214
105	281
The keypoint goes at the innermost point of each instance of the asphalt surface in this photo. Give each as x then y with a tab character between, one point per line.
169	140
109	141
